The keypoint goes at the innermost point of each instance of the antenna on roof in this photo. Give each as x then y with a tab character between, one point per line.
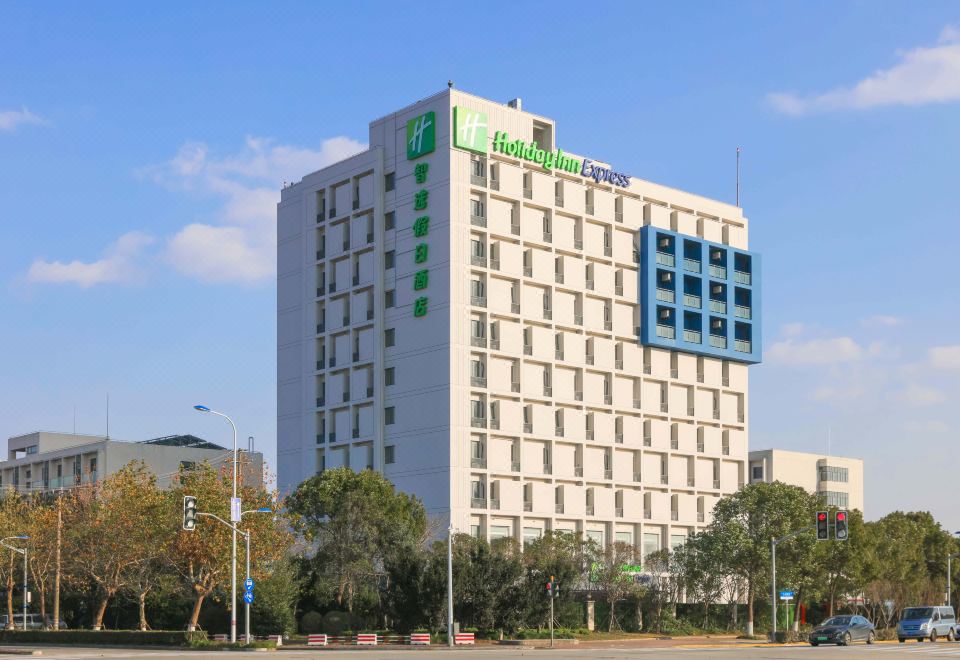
250	444
108	416
738	176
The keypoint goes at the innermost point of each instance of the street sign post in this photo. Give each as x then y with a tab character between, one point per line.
247	597
235	509
786	595
248	584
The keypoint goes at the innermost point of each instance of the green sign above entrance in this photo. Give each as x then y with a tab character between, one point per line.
421	135
470	129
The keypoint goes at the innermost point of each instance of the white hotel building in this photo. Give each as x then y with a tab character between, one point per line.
539	354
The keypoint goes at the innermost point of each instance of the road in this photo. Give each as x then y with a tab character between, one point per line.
909	651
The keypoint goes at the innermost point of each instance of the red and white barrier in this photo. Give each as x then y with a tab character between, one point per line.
463	638
420	639
275	638
316	640
221	638
366	639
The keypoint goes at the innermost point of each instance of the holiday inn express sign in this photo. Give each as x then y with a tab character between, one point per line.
470	132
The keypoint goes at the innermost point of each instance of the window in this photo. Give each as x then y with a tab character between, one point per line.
476	329
390	337
475	531
185	466
651	544
389	298
389	181
389	415
389	376
476	207
756	473
676	540
835	498
531	534
832	473
476	490
624	537
389	220
389	454
499	532
389	259
596	536
32	449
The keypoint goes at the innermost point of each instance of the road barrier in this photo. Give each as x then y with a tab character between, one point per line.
275	638
463	638
221	638
316	640
366	639
420	639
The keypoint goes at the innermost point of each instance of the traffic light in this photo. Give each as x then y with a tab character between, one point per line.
823	526
840	526
189	512
551	587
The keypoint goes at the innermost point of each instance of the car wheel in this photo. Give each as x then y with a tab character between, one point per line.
901	640
847	639
933	636
871	637
951	635
813	644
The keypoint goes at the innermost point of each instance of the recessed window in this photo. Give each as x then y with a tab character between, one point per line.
389	259
389	181
389	220
389	415
390	337
389	454
389	376
389	298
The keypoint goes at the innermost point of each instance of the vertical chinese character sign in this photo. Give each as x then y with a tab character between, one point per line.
421	140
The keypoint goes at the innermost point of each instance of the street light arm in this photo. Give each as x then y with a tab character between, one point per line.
792	534
14	548
216	517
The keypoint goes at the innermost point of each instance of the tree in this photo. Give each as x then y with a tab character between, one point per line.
701	564
563	555
610	578
357	521
13	522
41	525
487	581
749	519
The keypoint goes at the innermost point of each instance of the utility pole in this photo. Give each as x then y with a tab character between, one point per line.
551	611
774	542
450	583
56	577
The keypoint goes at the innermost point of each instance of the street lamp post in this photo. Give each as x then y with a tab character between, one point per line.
949	573
233	551
22	551
774	542
450	584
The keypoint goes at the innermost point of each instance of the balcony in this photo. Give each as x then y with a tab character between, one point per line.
742	345
647	441
725	381
478	260
647	369
742	311
478	180
558	431
356	204
528	193
666	331
346	244
515	466
716	414
577	244
547	237
608	474
718	342
528	349
720	272
558	278
369	237
647	514
589	434
369	392
740	277
589	509
578	319
693	337
636	404
346	396
692	301
495	423
514	229
690	411
618	289
320	254
478	503
718	306
618	512
528	271
369	314
321	213
618	364
608	326
665	259
700	377
495	504
515	386
608	399
356	433
589	284
588	207
578	396
547	468
494	344
547	314
333	362
559	508
725	450
528	506
740	418
514	308
716	484
674	444
332	287
664	407
478	342
701	447
578	470
618	438
332	436
478	220
691	482
528	427
547	390
558	201
321	402
674	515
618	216
478	422
637	477
356	356
607	251
494	264
700	516
691	265
664	479
333	211
558	355
477	301
589	359
477	381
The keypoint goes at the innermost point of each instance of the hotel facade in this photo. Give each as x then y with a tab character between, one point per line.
526	338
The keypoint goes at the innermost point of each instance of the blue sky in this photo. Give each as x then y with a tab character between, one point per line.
142	149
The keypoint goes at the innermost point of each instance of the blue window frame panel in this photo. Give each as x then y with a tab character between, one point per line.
699	297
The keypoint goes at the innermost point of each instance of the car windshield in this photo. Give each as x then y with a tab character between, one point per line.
918	613
837	621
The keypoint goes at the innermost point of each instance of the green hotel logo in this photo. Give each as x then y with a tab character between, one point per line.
421	135
470	129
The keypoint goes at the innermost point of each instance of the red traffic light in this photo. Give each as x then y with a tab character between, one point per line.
821	516
841	515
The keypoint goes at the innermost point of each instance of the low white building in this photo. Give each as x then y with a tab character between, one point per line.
43	461
839	480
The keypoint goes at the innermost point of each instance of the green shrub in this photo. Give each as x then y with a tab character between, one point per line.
104	637
533	633
336	623
311	622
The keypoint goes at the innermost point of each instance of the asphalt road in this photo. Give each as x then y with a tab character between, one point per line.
882	651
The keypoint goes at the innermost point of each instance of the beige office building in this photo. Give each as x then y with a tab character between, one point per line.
839	480
526	338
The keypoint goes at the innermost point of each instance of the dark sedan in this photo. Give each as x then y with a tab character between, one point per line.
843	630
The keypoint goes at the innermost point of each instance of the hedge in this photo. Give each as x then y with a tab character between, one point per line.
104	637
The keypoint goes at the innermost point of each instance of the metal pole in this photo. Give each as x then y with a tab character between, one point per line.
949	585
773	587
551	617
450	584
246	614
56	579
24	588
233	561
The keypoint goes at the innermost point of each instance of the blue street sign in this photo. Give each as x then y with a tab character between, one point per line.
247	596
248	584
786	595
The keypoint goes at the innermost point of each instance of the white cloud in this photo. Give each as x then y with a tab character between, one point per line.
882	320
120	265
927	426
239	245
793	329
11	119
919	395
923	75
944	357
826	351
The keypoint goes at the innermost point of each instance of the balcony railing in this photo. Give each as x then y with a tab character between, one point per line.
725	381
690	411
725	450
514	229
547	390
494	264
495	423
636	403
742	345
608	399
666	259
578	244
558	278
528	350
691	482
495	505
741	277
720	272
664	406
647	514
578	470
578	396
478	260
701	447
558	431
547	468
528	193
607	251
478	503
528	506
618	364
558	355
718	306
589	359
608	326
478	220
589	434
477	301
618	216
547	313
718	342
716	484
691	264
547	237
478	381
578	319
742	311
608	474
618	511
618	438
692	337
494	344
700	377
589	509
558	200
589	208
479	342
559	508
674	444
647	441
515	386
589	284
478	422
700	516
528	427
664	479
515	466
514	308
528	271
666	295
618	289
674	515
478	180
692	301
716	414
666	331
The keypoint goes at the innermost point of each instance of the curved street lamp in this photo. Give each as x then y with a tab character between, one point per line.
22	551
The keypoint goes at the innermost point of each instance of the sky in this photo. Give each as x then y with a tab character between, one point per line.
143	147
